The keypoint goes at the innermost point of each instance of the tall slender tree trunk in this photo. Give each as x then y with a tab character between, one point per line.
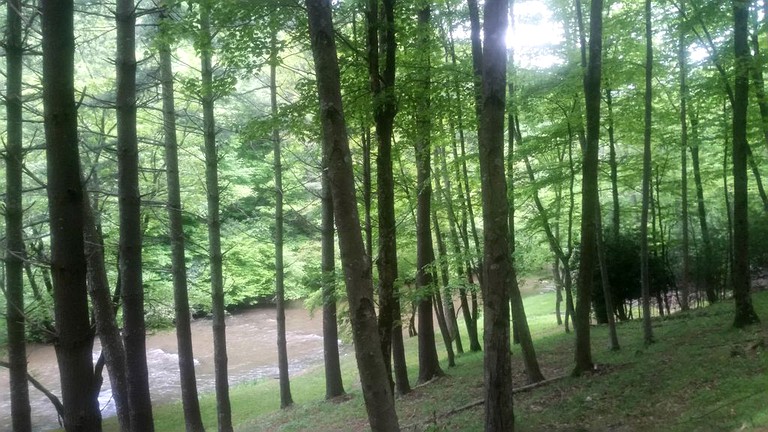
442	301
112	347
188	383
745	313
14	253
74	336
614	165
333	383
682	59
223	407
589	193
382	79
606	283
706	239
645	277
374	377
129	204
498	271
429	365
282	344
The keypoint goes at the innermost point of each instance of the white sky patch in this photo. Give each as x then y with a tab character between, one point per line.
535	35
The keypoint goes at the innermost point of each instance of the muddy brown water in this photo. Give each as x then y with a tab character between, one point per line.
251	348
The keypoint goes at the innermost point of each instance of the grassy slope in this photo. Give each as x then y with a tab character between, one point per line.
701	375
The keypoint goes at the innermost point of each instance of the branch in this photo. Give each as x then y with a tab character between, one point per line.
36	384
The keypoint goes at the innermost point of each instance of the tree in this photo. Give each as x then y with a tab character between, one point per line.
74	336
644	254
282	345
375	381
745	313
497	264
223	407
188	383
381	38
132	288
333	382
429	365
14	254
589	191
682	59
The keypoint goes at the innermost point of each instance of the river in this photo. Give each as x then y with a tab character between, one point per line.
251	348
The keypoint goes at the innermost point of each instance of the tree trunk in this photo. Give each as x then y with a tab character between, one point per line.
429	365
188	383
709	282
223	407
498	272
682	59
443	306
112	347
384	109
74	336
606	283
333	383
589	194
129	203
745	313
374	378
616	215
14	253
282	344
645	278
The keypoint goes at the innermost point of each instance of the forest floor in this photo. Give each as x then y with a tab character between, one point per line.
700	375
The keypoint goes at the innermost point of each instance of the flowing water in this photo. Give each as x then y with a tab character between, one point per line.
251	348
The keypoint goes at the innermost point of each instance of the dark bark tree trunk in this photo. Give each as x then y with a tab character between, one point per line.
745	313
614	165
381	25
333	383
129	204
450	311
521	331
589	194
460	168
606	283
14	253
112	347
498	271
223	407
645	277
74	336
374	379
442	304
282	344
706	239
188	383
429	365
682	59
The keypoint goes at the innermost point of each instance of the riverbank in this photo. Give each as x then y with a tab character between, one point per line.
700	375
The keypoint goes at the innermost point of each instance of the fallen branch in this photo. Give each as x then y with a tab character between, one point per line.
479	402
36	384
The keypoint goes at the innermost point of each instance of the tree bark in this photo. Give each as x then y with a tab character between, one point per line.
129	204
443	301
614	165
189	395
645	278
14	254
429	365
682	59
374	378
589	194
223	407
107	329
498	272
333	383
745	313
74	336
282	344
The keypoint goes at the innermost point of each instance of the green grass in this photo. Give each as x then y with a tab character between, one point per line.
700	375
